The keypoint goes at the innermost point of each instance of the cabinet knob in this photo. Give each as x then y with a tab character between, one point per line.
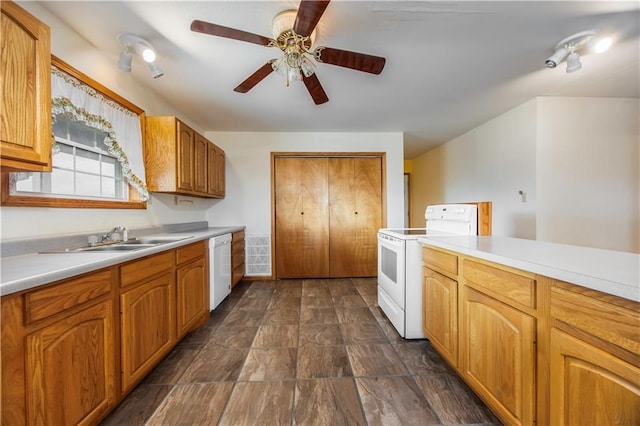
301	212
356	212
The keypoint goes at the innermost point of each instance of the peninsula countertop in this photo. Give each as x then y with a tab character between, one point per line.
27	271
611	272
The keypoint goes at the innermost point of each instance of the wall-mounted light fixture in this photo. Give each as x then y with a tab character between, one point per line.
568	48
132	43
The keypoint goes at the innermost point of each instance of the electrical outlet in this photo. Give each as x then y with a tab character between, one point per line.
523	196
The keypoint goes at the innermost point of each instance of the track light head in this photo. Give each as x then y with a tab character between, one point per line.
156	71
569	46
124	62
556	58
573	62
133	43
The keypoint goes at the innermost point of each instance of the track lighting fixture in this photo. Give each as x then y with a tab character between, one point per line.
568	47
132	43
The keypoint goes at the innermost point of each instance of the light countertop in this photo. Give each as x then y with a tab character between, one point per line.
612	272
27	271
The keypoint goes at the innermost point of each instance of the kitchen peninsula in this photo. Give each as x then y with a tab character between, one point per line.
544	333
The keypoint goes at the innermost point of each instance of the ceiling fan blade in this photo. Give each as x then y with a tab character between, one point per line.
309	13
315	89
254	78
232	33
354	60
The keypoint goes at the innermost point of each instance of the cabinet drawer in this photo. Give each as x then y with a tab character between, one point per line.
43	303
500	283
237	249
237	259
440	261
616	322
190	252
237	236
144	268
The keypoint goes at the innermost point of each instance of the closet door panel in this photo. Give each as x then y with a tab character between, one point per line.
355	205
301	217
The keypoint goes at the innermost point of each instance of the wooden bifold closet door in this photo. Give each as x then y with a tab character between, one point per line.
327	214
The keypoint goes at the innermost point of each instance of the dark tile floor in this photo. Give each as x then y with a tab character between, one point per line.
301	352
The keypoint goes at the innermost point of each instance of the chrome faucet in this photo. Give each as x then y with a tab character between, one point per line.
124	234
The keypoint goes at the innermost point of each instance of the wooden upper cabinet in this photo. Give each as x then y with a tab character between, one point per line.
215	171
200	160
178	160
185	161
355	208
25	99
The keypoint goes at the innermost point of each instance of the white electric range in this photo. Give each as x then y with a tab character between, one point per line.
400	263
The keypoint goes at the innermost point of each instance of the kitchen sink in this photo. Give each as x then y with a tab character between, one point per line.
118	247
129	245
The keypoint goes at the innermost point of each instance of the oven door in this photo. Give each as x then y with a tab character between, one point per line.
391	268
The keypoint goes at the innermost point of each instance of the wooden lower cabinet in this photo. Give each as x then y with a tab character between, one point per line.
440	313
192	293
589	386
58	352
63	345
535	349
71	368
147	326
497	355
237	257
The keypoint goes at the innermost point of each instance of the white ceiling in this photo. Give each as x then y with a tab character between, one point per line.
450	65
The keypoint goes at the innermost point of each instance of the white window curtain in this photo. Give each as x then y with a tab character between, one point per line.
86	105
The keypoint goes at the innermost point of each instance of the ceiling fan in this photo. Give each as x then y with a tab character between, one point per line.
295	40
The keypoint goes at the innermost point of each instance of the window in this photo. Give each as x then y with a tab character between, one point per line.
82	166
97	157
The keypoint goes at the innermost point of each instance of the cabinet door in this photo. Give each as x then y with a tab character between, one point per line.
200	163
302	217
220	167
497	355
185	158
192	300
25	100
355	209
216	166
71	368
440	313
590	386
147	326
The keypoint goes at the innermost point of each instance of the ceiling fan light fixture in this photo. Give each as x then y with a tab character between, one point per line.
284	21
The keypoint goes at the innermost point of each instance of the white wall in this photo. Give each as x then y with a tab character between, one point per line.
489	163
575	158
21	222
587	172
248	174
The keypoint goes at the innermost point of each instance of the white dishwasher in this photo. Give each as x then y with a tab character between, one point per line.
219	269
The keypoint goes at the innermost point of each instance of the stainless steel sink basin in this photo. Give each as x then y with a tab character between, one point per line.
118	247
129	245
153	241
